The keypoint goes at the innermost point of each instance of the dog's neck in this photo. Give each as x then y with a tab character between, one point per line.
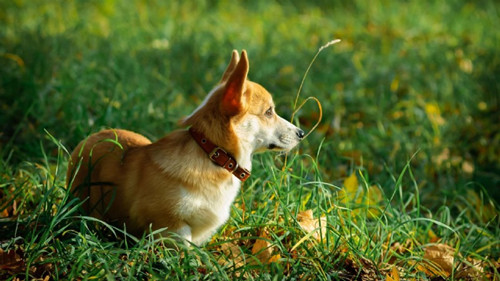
221	157
245	156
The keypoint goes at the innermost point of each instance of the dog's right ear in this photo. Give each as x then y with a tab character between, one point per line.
234	98
235	57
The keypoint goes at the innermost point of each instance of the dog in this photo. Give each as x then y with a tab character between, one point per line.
186	181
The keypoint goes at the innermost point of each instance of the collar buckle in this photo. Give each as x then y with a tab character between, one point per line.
216	153
223	158
220	156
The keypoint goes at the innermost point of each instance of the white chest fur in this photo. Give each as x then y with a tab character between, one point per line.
207	209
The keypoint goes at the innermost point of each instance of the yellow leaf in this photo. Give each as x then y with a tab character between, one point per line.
286	70
262	248
434	114
467	167
311	225
374	198
275	258
482	106
432	109
398	114
433	238
305	200
442	157
374	195
395	274
353	193
394	84
348	193
351	183
466	65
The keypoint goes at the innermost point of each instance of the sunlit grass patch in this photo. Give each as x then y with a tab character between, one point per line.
399	179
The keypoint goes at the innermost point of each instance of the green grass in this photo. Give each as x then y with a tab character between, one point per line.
410	101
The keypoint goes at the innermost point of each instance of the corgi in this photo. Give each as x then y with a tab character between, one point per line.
186	181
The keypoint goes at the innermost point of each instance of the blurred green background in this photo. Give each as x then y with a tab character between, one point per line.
409	78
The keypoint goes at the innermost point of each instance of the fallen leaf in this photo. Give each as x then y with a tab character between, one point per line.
438	260
433	238
311	225
351	184
394	274
373	198
434	114
10	261
473	269
4	213
467	167
262	248
442	157
353	193
395	84
232	254
364	268
275	258
349	193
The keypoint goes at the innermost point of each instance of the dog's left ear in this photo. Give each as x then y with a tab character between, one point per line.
235	57
233	101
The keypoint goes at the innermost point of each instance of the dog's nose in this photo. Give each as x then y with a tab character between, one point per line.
300	133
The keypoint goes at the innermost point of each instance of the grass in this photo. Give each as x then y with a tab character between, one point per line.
402	172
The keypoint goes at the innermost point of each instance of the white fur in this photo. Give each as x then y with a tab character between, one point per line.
206	210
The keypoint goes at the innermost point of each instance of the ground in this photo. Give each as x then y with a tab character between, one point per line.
399	180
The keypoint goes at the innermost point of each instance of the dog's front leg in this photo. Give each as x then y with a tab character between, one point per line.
184	231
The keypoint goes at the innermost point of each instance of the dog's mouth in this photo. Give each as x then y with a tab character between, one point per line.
283	142
273	146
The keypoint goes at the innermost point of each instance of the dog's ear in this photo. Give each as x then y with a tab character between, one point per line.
235	57
233	100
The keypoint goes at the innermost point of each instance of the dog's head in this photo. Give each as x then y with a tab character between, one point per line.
245	109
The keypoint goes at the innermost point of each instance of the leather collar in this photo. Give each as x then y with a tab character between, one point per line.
219	156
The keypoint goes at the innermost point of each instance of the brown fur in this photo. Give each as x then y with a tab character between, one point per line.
172	183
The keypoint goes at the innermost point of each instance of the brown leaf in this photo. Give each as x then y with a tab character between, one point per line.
442	157
8	206
309	224
4	213
11	261
438	260
362	267
233	254
473	269
263	249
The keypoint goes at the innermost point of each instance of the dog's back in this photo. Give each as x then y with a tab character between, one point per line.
96	167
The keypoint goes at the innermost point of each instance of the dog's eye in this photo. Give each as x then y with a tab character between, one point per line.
269	112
